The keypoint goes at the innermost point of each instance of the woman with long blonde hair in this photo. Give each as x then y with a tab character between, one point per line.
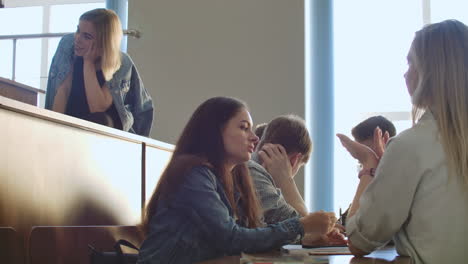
416	188
90	78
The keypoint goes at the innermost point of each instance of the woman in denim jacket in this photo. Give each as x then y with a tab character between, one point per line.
205	205
91	79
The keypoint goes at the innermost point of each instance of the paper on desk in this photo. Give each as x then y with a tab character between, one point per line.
329	251
282	259
299	250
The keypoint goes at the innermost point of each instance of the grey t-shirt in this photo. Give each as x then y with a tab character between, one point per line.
275	207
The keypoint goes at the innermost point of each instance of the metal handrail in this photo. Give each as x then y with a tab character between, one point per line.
130	32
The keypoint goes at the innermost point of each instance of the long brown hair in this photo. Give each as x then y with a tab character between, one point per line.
201	142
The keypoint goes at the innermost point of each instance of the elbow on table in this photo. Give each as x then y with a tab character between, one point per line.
356	251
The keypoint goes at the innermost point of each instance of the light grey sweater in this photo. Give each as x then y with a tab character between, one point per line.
415	200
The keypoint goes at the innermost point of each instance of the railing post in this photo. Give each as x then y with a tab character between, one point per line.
14	60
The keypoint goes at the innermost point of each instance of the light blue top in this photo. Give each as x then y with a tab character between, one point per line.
197	224
132	101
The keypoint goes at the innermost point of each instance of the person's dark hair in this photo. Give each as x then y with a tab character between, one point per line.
259	129
289	131
201	143
365	129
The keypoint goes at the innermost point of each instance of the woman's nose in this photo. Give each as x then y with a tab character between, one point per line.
77	37
254	137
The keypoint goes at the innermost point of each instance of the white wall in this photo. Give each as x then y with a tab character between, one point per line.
191	50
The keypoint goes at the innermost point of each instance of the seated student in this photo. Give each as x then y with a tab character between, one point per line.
364	133
259	131
90	78
205	205
283	149
418	193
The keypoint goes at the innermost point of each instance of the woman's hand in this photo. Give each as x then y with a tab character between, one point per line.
365	155
340	228
334	238
319	222
368	157
92	54
380	141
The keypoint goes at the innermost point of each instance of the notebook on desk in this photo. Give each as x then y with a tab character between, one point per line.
282	259
329	250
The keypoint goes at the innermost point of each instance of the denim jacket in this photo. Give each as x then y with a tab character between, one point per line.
132	101
197	224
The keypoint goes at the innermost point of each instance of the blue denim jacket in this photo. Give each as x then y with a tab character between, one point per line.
198	224
131	99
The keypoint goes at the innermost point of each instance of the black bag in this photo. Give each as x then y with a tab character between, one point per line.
114	257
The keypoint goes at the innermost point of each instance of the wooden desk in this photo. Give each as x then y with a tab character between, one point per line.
19	91
57	170
382	256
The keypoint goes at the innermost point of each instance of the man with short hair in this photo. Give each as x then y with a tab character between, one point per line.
259	131
364	131
283	149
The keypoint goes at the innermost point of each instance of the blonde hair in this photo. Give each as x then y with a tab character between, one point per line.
108	37
440	53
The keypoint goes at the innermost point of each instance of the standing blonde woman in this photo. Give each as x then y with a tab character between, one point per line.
419	193
90	78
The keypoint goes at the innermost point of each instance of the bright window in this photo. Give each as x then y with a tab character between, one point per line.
371	41
28	51
449	9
